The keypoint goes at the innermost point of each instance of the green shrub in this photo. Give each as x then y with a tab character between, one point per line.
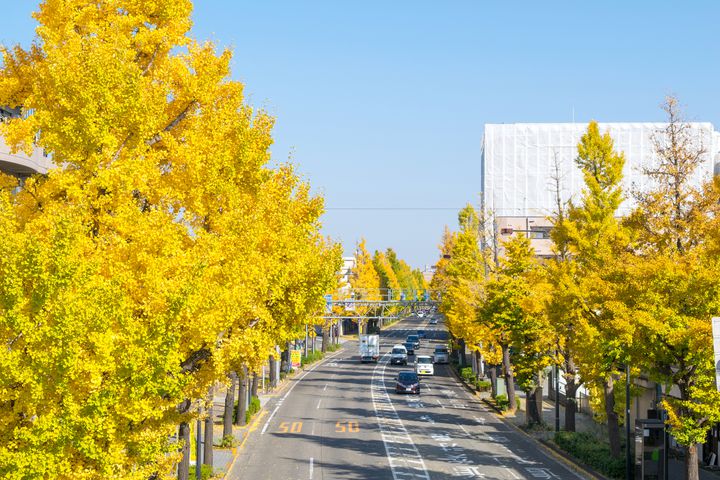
333	347
504	404
228	441
467	374
253	408
483	385
312	357
595	453
206	472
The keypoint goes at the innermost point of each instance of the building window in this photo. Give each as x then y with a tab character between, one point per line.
540	233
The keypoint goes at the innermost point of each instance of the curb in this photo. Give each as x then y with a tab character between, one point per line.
550	450
570	462
587	469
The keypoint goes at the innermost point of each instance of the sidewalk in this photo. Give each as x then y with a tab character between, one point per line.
585	423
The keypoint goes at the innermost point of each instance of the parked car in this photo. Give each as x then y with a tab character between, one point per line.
424	365
398	355
433	321
409	347
421	333
407	382
441	354
415	341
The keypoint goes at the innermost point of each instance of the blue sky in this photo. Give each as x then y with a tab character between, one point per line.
382	104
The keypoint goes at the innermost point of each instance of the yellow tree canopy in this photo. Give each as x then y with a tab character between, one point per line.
160	253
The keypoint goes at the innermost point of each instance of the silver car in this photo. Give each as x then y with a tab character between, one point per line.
441	355
398	355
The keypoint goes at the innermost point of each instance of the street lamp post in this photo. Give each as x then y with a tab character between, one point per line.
628	459
557	397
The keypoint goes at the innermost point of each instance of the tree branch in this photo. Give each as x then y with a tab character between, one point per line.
157	137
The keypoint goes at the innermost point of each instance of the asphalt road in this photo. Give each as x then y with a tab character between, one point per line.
343	420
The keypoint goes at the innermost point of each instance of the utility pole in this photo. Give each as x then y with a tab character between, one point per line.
557	396
628	459
198	447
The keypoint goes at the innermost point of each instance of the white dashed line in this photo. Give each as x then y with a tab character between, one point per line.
402	454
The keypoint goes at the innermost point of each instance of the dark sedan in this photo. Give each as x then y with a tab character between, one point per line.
407	382
410	347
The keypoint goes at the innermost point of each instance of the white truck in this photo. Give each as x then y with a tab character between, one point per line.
369	348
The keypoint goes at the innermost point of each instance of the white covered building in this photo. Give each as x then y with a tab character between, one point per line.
518	161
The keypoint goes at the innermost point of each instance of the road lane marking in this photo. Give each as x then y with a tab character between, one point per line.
294	427
402	454
311	467
325	388
280	402
440	403
347	426
464	430
318	405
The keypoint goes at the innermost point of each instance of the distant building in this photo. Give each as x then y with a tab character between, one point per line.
428	273
19	164
518	164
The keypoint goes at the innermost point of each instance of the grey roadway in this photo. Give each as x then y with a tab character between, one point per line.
342	420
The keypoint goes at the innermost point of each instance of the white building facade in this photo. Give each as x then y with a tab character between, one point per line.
20	164
518	165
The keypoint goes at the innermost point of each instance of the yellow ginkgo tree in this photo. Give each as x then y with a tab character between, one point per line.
162	251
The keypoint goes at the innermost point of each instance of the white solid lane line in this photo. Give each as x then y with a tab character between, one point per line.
318	405
311	467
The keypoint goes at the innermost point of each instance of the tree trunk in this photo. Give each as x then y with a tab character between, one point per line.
478	361
461	358
509	378
325	339
208	438
254	386
272	375
229	405
242	397
533	403
183	472
571	389
691	463
612	417
493	380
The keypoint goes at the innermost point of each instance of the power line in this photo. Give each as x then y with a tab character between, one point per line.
393	208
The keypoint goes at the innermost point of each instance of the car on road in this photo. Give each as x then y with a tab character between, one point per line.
421	333
424	365
441	354
407	382
415	341
409	347
398	355
433	321
421	314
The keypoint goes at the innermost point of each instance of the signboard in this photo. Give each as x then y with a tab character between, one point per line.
295	358
328	302
716	347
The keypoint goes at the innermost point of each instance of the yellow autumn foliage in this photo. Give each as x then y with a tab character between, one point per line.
163	251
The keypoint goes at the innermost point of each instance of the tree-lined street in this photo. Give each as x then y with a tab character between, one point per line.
343	419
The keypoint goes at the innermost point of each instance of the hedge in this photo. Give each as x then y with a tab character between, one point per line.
591	451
